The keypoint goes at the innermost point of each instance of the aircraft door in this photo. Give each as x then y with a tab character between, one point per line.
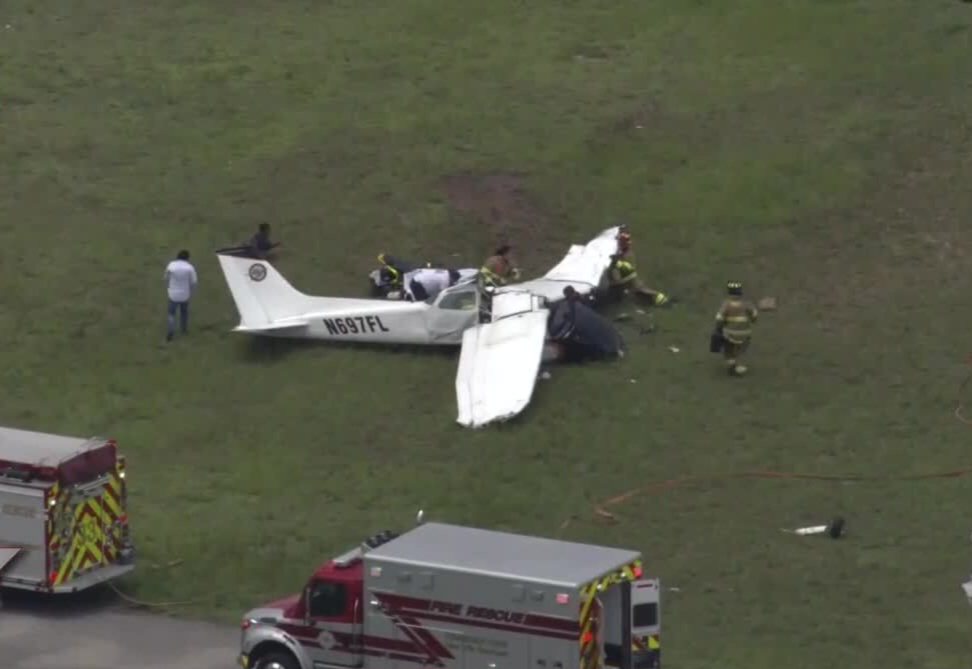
454	312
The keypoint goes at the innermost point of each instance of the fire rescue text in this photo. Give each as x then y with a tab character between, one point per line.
481	612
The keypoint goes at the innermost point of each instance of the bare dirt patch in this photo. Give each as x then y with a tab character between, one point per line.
498	202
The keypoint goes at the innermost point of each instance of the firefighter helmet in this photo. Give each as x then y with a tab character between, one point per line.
734	287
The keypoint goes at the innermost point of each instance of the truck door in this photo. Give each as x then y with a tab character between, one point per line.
334	611
646	624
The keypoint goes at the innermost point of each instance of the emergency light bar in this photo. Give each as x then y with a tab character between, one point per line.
26	473
77	467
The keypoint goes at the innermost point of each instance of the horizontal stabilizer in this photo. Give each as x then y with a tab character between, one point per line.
279	325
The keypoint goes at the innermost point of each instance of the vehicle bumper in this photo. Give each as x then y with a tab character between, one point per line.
77	584
92	578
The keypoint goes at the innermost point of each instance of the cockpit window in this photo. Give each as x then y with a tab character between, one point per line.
459	299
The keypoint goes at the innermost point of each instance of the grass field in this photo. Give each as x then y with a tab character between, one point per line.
817	151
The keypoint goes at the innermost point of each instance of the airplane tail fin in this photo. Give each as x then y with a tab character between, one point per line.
262	295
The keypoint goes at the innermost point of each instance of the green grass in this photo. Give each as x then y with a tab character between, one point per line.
817	151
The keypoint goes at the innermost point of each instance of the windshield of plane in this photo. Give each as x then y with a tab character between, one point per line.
461	296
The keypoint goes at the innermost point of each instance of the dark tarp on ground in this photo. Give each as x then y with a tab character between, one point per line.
586	334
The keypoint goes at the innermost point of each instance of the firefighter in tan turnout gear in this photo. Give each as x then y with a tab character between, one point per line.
733	329
623	276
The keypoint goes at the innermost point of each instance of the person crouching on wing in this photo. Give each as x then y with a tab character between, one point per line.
391	273
426	283
499	269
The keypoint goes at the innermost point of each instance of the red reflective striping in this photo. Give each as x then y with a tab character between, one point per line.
86	510
426	640
534	620
413	605
114	496
421	645
403	602
372	647
482	624
108	512
307	635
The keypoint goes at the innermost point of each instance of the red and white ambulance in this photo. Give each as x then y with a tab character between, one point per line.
463	598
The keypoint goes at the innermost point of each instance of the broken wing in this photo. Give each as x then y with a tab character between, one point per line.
499	362
583	268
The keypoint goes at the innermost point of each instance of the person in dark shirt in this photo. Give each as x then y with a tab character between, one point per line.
260	244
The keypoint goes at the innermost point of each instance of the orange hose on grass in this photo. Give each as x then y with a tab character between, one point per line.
601	513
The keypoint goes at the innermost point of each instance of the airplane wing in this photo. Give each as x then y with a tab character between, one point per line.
499	361
583	268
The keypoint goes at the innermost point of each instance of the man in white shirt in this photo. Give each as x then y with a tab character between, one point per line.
426	283
180	276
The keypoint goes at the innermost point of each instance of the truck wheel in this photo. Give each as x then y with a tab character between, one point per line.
277	661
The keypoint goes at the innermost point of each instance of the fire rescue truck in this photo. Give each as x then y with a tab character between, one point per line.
456	597
63	512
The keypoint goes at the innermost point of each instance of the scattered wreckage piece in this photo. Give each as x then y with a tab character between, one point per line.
766	304
967	589
835	529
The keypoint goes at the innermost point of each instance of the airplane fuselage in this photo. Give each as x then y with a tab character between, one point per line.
383	322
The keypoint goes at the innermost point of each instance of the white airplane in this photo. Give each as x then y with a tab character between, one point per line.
499	359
